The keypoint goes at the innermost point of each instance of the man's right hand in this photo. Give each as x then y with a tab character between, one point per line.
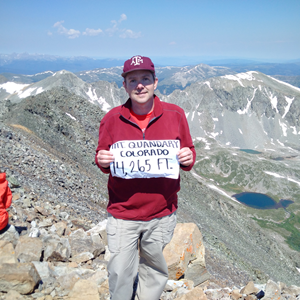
104	158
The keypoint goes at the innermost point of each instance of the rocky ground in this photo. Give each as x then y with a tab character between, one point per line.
49	252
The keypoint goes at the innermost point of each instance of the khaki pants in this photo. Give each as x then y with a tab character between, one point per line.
123	237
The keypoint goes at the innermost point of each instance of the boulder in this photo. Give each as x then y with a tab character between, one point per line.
98	245
195	294
59	228
84	289
196	273
21	277
68	276
292	290
249	289
82	241
99	277
7	253
14	295
82	257
10	234
186	247
44	271
272	290
29	249
56	249
235	294
100	229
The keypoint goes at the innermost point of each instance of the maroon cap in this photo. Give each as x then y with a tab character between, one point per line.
138	63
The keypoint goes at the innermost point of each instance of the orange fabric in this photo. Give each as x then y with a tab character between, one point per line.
5	200
141	120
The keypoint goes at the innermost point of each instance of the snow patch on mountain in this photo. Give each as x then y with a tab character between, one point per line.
283	128
73	118
13	87
92	94
221	192
42	73
103	104
283	177
287	84
208	84
247	108
242	76
287	108
30	92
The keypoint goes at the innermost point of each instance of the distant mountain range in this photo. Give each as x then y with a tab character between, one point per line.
36	63
28	68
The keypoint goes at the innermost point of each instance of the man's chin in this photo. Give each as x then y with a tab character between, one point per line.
143	98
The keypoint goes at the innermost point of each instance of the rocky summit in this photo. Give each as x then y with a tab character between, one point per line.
48	137
49	252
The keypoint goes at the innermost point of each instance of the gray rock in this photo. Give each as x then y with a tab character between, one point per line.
272	291
43	269
291	290
56	249
29	249
98	245
10	235
7	253
14	295
34	232
13	181
100	229
59	228
80	242
82	257
46	223
21	277
99	276
196	273
84	289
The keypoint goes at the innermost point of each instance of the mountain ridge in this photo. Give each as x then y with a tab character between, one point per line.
67	125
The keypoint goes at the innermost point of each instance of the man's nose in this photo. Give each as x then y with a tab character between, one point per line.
139	85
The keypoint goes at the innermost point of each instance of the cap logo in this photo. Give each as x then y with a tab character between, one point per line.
136	60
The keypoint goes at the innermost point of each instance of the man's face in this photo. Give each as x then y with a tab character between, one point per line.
140	86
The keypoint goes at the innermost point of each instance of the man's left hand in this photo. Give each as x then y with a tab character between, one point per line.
185	156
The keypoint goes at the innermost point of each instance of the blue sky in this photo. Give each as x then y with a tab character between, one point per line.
212	29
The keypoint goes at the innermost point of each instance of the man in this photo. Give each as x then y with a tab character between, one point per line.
141	210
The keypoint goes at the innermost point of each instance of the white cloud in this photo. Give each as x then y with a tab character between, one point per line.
113	29
123	18
92	32
70	33
127	33
123	33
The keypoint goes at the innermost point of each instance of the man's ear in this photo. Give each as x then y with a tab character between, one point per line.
155	82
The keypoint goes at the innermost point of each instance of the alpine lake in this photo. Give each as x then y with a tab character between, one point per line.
258	200
261	201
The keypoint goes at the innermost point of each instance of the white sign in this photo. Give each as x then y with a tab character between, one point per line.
145	159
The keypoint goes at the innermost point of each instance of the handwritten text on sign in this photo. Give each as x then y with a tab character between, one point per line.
145	159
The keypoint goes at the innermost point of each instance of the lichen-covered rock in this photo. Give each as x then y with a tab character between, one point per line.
185	247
